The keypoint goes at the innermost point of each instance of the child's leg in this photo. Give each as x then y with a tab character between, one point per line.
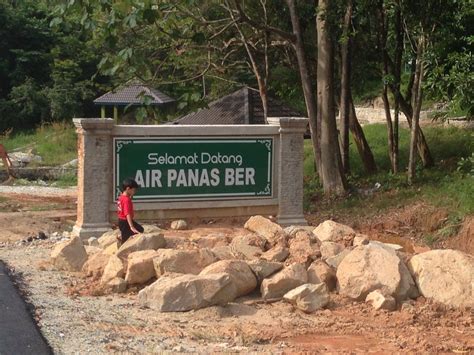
125	231
138	227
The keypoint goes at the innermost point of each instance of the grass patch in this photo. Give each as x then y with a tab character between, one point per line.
442	185
55	143
66	181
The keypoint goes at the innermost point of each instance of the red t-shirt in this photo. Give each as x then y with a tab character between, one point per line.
124	207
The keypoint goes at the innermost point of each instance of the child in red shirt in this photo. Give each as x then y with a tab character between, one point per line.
127	225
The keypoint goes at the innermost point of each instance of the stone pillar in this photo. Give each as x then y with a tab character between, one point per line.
290	174
94	195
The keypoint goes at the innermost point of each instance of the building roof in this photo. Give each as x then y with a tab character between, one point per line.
132	94
243	106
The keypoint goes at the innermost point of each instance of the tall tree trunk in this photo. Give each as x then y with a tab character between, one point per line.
333	177
383	24
307	86
417	100
390	136
397	80
360	141
345	87
264	98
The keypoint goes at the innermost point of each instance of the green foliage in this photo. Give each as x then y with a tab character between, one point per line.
24	65
66	181
451	228
58	60
450	62
466	165
45	73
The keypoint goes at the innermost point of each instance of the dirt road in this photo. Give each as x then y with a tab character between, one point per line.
73	321
27	210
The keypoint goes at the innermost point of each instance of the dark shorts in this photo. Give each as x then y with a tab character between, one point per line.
125	231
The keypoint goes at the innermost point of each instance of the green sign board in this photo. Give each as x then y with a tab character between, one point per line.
195	168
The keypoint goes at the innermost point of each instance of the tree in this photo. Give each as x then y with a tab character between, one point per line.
45	73
308	90
331	166
344	107
416	104
392	134
450	62
348	119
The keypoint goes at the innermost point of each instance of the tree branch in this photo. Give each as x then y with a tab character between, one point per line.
244	18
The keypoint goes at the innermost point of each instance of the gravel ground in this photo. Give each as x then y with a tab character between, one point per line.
73	323
39	190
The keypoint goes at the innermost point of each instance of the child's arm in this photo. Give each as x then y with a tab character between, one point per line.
130	223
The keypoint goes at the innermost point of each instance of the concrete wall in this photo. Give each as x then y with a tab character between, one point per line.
96	209
369	115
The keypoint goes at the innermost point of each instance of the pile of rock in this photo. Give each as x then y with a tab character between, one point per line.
301	265
22	159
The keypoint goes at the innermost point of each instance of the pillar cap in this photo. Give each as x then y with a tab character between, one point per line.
289	124
90	124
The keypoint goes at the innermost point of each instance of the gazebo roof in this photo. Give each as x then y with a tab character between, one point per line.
132	94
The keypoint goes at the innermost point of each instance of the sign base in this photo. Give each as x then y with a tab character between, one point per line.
287	221
90	230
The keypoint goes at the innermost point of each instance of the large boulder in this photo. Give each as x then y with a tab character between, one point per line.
241	275
360	239
292	230
330	249
248	246
113	269
115	285
140	267
182	261
389	246
446	276
108	238
175	240
301	249
278	253
330	231
93	242
308	297
287	279
210	240
151	241
263	268
223	253
320	272
380	301
335	261
112	249
95	265
90	250
272	232
150	228
69	255
179	224
187	292
368	268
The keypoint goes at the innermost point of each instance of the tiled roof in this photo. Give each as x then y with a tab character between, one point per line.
133	94
241	107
